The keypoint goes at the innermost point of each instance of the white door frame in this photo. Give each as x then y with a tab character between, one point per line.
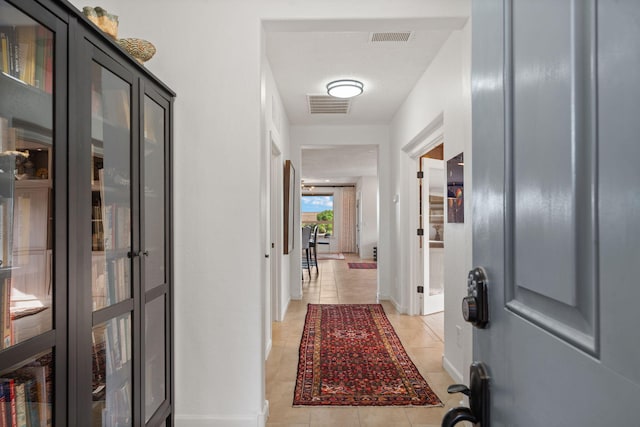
431	303
431	136
276	184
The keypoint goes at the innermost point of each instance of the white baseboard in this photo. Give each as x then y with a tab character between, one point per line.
452	371
255	420
283	310
264	416
398	307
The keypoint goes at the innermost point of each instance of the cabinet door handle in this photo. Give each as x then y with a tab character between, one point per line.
133	254
145	253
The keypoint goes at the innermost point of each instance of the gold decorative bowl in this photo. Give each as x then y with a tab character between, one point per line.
107	22
141	50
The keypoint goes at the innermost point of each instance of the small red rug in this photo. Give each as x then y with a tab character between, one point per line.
351	356
363	265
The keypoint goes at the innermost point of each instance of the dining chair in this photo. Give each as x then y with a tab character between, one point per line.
313	248
306	239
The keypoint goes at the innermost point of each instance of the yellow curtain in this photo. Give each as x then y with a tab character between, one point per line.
348	220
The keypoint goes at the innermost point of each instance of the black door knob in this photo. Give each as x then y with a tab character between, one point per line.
475	308
478	392
470	309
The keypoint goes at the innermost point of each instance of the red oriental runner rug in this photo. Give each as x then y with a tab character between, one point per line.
363	265
351	356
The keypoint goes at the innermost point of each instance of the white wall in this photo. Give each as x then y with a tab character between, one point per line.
367	189
443	91
210	53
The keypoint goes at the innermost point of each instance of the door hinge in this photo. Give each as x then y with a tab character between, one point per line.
420	231
420	174
421	289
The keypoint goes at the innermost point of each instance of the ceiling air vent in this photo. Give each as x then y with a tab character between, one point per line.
324	104
397	36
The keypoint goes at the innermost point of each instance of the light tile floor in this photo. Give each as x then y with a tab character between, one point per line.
421	336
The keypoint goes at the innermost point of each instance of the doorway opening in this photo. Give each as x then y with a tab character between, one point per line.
342	181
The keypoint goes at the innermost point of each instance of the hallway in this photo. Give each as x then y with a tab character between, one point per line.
421	337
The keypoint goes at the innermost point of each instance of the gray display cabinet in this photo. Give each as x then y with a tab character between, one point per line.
85	226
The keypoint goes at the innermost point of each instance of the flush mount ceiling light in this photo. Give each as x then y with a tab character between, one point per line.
345	88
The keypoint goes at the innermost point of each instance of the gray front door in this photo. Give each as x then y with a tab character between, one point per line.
556	178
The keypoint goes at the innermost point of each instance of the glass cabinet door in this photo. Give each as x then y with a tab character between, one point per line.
27	288
154	220
154	194
110	187
111	279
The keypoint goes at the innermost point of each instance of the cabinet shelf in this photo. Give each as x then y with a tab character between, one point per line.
24	103
33	183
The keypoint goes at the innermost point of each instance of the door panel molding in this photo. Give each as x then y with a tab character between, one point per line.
550	217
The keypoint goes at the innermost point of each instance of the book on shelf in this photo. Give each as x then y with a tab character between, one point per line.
123	227
26	39
114	340
23	398
8	392
106	215
122	277
98	353
26	53
97	232
40	57
98	290
21	406
4	52
34	404
107	226
117	409
110	278
9	51
4	407
5	313
125	333
6	233
35	380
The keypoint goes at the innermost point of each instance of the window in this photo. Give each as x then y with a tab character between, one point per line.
318	209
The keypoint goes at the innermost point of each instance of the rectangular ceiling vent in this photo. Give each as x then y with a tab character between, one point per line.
325	104
397	36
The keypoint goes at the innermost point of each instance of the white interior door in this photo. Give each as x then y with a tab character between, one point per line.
433	241
556	102
276	232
